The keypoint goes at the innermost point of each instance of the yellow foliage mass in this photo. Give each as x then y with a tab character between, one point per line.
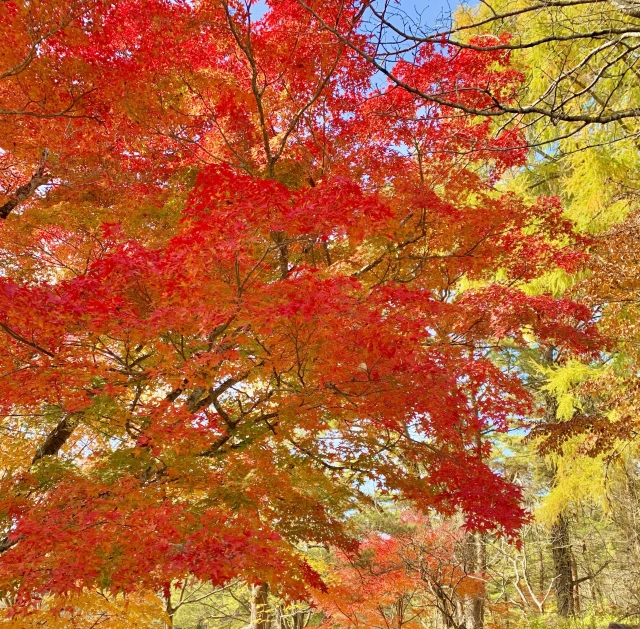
92	610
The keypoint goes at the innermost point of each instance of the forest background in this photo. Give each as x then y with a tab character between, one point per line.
319	314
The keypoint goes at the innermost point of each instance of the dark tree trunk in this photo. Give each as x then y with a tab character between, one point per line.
561	551
56	438
26	191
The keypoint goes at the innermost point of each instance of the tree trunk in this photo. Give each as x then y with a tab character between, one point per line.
560	542
561	551
574	582
542	581
472	607
260	607
299	619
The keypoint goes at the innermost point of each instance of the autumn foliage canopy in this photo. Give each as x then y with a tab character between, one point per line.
242	284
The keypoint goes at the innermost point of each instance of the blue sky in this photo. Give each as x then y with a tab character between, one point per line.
431	12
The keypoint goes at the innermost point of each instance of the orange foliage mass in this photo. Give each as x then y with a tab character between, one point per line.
235	287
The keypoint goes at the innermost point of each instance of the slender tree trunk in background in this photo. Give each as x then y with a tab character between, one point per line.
574	583
542	583
296	620
475	562
561	551
299	619
260	607
560	541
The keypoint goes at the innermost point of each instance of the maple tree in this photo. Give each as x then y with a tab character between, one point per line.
579	58
404	578
240	283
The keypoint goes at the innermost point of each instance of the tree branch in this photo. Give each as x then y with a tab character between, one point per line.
21	339
25	191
